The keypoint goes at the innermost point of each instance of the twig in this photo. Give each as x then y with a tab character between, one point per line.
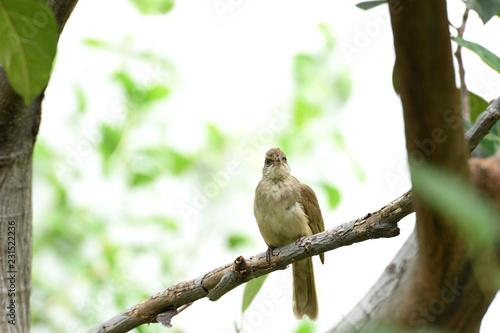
464	93
216	283
483	124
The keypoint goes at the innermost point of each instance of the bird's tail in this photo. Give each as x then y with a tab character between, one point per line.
305	302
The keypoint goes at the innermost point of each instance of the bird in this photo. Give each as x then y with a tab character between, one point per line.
287	210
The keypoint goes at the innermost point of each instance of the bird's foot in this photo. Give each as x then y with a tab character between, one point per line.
269	253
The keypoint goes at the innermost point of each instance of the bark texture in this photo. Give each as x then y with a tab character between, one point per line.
19	125
434	135
216	283
373	306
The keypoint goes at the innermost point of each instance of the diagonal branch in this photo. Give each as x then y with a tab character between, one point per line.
216	283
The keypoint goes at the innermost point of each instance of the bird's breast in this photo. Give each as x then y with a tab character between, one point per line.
279	214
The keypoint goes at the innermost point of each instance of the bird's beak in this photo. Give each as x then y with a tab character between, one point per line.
278	159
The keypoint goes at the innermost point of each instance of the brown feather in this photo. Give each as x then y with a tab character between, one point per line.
305	301
313	212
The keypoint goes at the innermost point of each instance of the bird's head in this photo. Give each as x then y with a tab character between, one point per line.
275	165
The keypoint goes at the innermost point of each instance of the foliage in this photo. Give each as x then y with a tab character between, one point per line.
28	44
491	142
98	248
486	56
147	7
251	290
486	9
446	194
370	4
305	326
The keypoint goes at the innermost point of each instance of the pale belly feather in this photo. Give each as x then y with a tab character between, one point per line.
280	218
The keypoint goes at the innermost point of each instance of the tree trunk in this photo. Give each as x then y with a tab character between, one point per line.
433	281
440	287
18	130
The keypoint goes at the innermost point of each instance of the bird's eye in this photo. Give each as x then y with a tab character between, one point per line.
268	161
284	159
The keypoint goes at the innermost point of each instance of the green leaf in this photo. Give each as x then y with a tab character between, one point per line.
111	137
126	81
139	96
369	4
180	163
486	9
491	142
148	7
470	214
143	168
305	68
477	106
305	326
216	138
155	93
142	178
251	290
395	83
28	44
329	38
333	195
81	99
305	111
96	43
358	169
338	138
237	240
168	159
488	57
343	86
168	223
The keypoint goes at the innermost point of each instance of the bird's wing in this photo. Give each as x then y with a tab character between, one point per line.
313	212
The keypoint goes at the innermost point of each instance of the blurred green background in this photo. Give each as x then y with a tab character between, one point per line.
139	184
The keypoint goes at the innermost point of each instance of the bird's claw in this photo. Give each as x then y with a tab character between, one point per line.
269	253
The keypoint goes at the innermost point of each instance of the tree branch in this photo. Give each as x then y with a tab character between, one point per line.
216	283
464	93
483	125
486	175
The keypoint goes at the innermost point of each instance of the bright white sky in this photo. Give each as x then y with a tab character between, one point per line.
234	70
